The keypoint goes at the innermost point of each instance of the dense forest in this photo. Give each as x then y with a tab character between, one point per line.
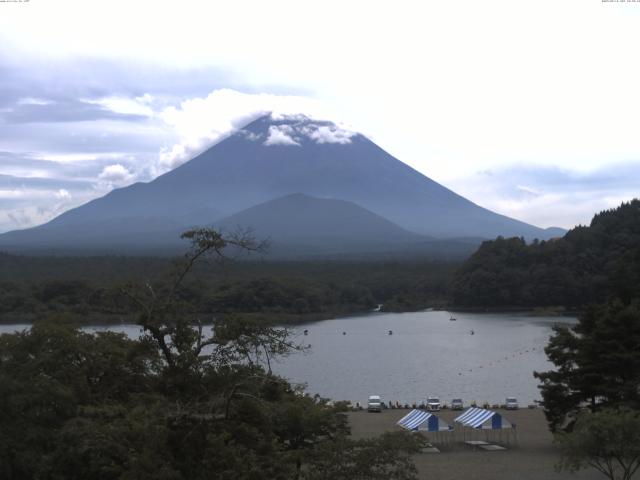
588	265
91	287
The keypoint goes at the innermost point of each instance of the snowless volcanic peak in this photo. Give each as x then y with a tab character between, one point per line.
273	157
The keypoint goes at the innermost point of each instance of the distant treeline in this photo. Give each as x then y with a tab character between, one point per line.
91	287
588	265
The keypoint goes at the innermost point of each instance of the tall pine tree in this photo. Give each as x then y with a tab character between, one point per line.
598	363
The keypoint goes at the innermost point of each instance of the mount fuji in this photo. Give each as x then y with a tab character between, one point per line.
318	183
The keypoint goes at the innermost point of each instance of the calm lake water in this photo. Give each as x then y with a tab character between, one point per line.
427	355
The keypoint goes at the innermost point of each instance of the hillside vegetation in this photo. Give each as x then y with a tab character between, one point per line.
588	265
91	287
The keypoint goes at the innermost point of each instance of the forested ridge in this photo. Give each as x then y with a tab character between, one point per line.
588	265
91	287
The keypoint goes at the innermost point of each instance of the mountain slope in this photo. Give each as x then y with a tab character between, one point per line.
269	159
300	224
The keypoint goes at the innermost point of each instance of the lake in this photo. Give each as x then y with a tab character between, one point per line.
427	355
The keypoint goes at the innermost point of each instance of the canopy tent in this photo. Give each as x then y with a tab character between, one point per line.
480	419
419	420
483	419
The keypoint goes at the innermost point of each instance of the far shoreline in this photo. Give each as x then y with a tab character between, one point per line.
285	319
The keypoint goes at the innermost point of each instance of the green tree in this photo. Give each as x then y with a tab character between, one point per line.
181	402
608	440
52	374
388	456
597	363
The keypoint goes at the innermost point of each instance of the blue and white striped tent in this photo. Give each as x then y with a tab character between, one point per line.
419	420
482	419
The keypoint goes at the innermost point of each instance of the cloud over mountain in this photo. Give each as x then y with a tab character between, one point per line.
115	175
301	126
204	121
281	135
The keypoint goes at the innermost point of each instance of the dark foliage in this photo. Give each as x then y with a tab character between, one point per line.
597	363
608	441
181	402
89	287
587	265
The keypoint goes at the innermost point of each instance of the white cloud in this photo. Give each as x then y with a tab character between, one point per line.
33	101
330	134
114	176
301	125
281	135
529	190
550	196
203	122
63	194
254	137
295	117
34	194
30	216
17	193
28	207
129	106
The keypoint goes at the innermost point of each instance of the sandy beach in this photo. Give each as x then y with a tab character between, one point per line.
533	456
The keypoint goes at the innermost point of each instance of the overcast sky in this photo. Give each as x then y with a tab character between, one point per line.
528	108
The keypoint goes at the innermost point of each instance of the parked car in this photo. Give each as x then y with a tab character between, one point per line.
511	403
433	404
456	404
374	404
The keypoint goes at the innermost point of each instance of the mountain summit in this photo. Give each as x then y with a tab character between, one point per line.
270	158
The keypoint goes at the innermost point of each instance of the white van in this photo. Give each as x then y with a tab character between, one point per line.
374	404
511	403
433	404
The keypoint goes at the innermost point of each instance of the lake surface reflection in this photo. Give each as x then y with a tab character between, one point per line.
427	355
